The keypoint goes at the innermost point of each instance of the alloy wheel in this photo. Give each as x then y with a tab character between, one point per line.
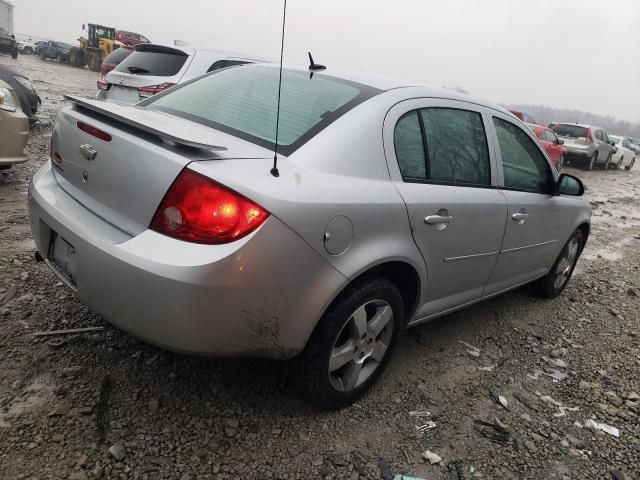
361	345
565	266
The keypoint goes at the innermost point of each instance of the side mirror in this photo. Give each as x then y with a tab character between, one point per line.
83	26
612	143
560	142
569	185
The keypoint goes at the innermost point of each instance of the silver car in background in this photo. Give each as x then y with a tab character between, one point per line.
151	69
587	145
392	204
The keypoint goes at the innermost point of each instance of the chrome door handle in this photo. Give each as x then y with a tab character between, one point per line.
437	219
519	217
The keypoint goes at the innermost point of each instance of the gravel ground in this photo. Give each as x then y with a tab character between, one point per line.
103	405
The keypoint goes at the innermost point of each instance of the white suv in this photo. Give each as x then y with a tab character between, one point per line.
151	69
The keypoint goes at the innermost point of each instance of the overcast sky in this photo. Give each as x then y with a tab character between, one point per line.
582	54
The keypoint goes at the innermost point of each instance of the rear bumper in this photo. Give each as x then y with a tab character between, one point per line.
259	296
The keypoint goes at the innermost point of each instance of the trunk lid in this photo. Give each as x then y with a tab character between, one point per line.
129	175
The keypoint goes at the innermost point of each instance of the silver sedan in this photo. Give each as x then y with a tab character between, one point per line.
391	204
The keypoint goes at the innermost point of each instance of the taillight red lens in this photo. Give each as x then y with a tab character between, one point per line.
589	139
197	209
94	131
153	89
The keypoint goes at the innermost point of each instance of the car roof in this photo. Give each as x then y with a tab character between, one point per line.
385	83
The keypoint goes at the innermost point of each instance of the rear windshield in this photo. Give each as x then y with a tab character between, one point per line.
243	103
574	131
118	55
160	64
615	139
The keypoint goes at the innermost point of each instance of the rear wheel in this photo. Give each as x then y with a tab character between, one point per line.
554	282
28	50
14	55
630	166
60	58
592	161
352	343
42	56
93	62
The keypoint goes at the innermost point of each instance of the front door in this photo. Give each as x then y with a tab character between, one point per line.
441	163
535	224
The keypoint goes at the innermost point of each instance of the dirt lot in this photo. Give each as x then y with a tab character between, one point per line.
103	405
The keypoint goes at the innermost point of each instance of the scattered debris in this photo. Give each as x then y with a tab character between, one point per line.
496	431
556	375
430	425
9	294
117	451
500	400
617	475
407	456
68	331
526	399
102	409
555	362
471	350
406	477
419	413
487	369
593	425
431	457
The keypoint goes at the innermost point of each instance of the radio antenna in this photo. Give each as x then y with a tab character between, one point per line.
274	169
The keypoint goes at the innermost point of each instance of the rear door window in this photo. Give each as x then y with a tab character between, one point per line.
156	63
117	56
523	164
409	145
443	145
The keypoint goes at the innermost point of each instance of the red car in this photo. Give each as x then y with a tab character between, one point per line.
112	61
130	39
551	143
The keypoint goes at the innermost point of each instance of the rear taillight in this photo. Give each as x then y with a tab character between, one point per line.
153	89
589	139
197	209
102	85
93	131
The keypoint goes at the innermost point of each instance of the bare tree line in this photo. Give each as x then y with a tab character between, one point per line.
544	115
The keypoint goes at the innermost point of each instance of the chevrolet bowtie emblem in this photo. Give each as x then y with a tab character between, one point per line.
88	152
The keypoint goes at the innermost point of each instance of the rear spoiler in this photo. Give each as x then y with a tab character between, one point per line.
115	112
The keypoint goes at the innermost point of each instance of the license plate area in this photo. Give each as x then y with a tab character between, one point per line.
62	259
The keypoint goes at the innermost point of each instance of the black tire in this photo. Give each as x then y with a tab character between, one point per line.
548	285
607	163
313	362
592	161
76	57
42	56
630	166
14	55
60	58
28	51
93	62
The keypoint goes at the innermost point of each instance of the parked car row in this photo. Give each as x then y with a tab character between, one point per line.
586	145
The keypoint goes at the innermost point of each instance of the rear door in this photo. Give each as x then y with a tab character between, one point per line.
535	226
442	165
552	145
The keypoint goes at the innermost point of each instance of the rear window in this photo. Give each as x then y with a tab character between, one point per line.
160	64
118	55
243	103
573	131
